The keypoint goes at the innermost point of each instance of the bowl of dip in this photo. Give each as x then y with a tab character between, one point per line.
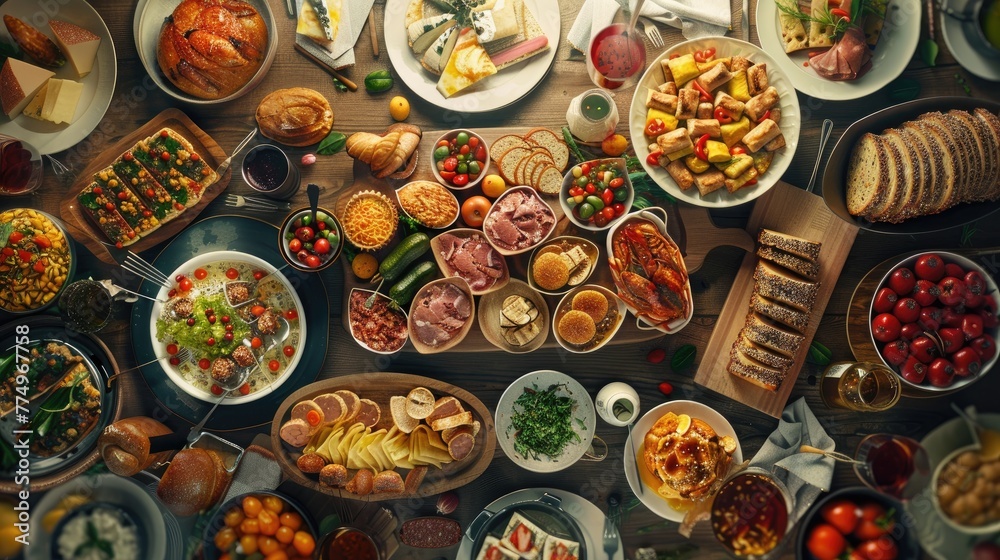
269	171
117	529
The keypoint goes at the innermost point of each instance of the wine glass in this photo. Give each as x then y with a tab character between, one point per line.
891	464
616	55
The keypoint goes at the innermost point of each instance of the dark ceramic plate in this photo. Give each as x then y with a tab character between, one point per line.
835	176
231	233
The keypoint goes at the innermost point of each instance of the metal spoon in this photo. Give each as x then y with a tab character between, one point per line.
824	135
312	191
835	455
230	385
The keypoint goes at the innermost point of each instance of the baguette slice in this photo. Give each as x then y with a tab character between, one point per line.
751	370
798	246
784	314
765	332
803	267
762	354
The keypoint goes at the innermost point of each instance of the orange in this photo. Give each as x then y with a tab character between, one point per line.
493	186
474	210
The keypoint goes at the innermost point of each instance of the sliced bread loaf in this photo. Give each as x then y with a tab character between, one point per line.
797	246
755	372
762	354
779	284
778	311
763	331
803	267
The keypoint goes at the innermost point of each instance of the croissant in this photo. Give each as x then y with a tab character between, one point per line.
386	154
212	48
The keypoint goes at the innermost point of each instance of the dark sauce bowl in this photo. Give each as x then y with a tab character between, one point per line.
269	171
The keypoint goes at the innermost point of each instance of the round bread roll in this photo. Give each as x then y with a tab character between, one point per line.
592	303
295	116
195	480
577	327
550	271
210	49
124	445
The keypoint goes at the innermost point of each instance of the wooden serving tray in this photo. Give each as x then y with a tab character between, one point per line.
379	387
794	211
85	232
690	227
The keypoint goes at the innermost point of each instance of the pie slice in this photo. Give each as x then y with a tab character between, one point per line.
468	64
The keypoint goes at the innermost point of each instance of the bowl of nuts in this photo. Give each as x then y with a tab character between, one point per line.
37	260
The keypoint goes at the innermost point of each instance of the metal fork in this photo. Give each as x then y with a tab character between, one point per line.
184	354
141	268
239	201
611	537
652	32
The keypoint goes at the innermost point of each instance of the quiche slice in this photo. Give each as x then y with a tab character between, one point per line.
468	64
319	20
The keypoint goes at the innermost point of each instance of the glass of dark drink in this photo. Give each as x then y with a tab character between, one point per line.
891	464
751	514
20	166
85	306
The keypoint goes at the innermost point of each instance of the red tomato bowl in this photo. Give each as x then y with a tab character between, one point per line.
448	168
902	533
939	326
332	233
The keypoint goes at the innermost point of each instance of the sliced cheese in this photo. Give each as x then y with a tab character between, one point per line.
79	45
433	57
64	109
34	108
468	64
418	28
19	82
51	96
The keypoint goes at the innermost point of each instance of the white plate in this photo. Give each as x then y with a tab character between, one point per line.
160	348
647	495
501	89
956	37
589	516
98	86
892	53
937	538
109	488
790	122
584	412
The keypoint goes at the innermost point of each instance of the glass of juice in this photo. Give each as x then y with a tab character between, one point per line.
863	386
891	464
20	166
616	57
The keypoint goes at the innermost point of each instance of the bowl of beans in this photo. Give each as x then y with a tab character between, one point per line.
37	260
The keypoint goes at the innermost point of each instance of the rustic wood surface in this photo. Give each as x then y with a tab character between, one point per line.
137	99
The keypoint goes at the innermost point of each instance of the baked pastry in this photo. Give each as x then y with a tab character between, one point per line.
212	48
392	154
194	481
295	116
124	445
686	455
369	220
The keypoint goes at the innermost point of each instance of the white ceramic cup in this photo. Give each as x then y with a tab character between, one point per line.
617	403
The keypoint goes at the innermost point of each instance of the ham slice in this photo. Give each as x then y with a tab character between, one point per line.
847	59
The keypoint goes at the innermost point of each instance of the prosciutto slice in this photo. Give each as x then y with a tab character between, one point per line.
848	59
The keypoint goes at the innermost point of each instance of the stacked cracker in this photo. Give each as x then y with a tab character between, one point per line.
537	159
781	306
925	166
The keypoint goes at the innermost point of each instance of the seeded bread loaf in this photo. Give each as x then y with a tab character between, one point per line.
755	372
768	333
781	285
778	311
809	269
762	354
797	246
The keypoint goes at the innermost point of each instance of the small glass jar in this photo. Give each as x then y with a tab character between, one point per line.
592	116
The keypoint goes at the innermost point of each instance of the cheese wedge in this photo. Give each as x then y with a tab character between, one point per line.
793	31
319	20
468	64
416	29
79	45
34	108
19	82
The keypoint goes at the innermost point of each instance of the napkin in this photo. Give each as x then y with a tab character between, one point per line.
695	18
806	475
354	14
258	470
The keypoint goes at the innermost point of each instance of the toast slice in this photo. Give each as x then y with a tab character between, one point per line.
798	320
802	267
779	284
748	369
798	246
762	354
768	333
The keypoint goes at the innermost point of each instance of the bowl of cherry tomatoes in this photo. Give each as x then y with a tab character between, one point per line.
597	193
856	523
933	320
461	158
264	523
311	244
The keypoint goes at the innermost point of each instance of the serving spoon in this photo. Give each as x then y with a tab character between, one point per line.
835	455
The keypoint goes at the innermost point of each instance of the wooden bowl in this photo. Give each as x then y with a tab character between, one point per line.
490	310
457	337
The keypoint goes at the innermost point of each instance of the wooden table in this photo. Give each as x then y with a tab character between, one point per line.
136	100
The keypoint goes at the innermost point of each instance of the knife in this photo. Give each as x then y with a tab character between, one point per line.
290	6
745	21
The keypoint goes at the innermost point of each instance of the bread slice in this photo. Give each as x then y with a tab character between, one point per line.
460	419
867	174
553	143
420	403
550	181
798	246
762	354
943	166
972	172
798	320
504	143
803	267
508	161
993	126
763	331
906	184
779	284
892	183
991	151
982	162
755	372
402	420
921	157
955	152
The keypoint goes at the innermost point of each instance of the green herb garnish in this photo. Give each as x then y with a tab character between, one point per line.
544	423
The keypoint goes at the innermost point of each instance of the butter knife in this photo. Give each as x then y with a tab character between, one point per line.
745	21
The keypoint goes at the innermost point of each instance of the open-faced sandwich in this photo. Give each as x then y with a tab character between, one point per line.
465	41
847	30
523	537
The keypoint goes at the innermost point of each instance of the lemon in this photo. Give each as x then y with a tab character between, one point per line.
399	108
364	266
494	186
9	548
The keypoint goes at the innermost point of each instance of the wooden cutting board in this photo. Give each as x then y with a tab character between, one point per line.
794	211
690	227
86	232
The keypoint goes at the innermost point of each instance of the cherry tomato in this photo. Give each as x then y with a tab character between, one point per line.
305	234
210	341
257	310
619	208
172	349
200	273
288	351
249	544
291	314
460	180
234	517
256	342
312	261
907	310
902	280
185	285
450	163
285	535
245	389
874	522
274	365
16	236
666	388
608	197
225	537
267	545
216	390
885	327
232	274
252	506
204	363
321	246
268	521
250	527
304	543
842	514
294	245
292	520
882	548
929	267
585	167
608	212
825	542
273	504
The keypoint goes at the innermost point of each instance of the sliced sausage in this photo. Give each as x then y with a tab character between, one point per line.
352	402
301	411
444	407
460	446
370	413
334	408
295	432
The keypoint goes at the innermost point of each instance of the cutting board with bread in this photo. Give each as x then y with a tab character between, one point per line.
762	336
690	227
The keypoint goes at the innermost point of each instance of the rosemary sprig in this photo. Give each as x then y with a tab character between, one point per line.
824	18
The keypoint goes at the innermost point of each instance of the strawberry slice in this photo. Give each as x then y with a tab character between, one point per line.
561	552
522	538
494	553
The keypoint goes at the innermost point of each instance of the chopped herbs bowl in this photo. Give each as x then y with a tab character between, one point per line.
545	421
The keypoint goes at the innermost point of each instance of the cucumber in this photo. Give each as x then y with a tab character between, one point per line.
409	249
403	291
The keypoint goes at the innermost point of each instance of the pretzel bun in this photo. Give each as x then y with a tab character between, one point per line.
124	445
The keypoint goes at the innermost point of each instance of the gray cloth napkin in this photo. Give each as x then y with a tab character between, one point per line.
806	475
695	18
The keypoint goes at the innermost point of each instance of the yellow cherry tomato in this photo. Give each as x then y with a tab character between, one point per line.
494	186
224	538
277	555
304	543
285	534
274	504
252	506
399	108
250	527
234	517
267	545
292	519
249	544
268	521
614	145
